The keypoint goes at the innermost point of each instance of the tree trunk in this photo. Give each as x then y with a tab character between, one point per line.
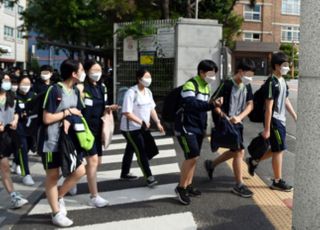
165	9
189	9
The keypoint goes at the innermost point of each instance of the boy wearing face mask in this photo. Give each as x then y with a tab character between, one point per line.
276	103
43	84
24	95
237	97
191	123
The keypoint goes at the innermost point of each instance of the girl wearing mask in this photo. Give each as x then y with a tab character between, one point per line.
61	101
24	95
8	123
44	83
96	104
138	107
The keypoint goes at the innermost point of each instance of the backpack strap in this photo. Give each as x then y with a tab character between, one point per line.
196	86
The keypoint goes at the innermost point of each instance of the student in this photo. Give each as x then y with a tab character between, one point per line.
57	106
138	106
237	97
276	103
96	102
43	84
24	95
191	124
8	117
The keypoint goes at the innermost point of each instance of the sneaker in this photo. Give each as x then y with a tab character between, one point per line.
209	168
73	191
193	191
151	181
18	170
242	191
17	201
252	165
129	177
62	207
61	220
281	186
182	194
27	180
13	167
98	202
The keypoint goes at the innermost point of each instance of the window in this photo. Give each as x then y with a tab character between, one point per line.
8	31
290	7
253	37
19	34
290	33
20	9
8	5
252	14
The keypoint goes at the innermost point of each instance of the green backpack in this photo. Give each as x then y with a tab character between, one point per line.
85	137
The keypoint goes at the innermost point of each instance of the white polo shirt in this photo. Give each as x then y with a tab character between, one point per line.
140	104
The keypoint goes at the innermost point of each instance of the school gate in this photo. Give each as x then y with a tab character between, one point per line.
170	50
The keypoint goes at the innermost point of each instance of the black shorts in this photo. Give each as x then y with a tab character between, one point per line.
51	160
96	148
239	128
277	136
191	144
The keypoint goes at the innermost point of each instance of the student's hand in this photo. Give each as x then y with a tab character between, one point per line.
114	107
13	125
295	118
66	126
1	127
218	102
219	111
160	127
75	111
265	134
235	120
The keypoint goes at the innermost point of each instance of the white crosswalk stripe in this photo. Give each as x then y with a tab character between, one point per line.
164	164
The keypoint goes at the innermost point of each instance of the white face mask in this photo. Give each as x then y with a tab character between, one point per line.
284	70
246	80
210	78
146	82
24	88
45	77
14	88
82	77
95	76
6	86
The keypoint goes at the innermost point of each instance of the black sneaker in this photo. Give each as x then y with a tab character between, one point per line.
151	181
242	191
281	186
129	177
209	168
252	165
182	194
192	192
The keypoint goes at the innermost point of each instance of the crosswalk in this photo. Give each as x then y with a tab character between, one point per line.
149	203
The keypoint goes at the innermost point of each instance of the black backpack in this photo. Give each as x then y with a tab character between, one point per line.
258	147
173	102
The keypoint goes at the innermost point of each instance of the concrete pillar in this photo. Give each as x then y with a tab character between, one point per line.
306	212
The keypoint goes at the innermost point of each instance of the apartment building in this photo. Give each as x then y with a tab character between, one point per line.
265	27
11	38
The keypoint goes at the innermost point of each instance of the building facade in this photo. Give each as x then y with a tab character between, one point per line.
266	26
11	37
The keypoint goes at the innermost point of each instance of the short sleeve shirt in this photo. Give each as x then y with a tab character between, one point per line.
138	103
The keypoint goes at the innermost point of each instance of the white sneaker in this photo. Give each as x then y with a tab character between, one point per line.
73	191
98	202
61	220
17	201
62	207
27	180
13	167
18	170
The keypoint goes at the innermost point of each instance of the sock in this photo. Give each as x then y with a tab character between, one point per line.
13	194
277	180
239	185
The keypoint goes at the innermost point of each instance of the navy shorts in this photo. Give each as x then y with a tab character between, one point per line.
51	160
191	144
239	128
277	136
96	148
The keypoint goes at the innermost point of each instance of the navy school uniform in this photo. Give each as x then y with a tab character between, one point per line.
41	87
95	100
26	141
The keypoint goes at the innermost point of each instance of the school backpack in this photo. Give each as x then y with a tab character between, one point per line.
173	102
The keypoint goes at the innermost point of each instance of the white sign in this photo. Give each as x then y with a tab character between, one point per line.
165	43
148	43
130	49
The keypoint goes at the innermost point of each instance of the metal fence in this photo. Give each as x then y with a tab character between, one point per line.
162	70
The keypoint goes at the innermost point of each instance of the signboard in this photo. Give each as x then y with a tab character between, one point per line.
130	49
147	57
148	43
165	42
